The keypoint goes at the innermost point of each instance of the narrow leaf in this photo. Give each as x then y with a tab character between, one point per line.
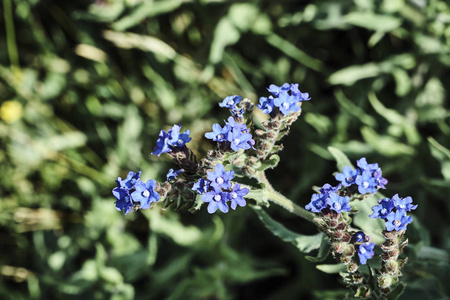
304	243
341	159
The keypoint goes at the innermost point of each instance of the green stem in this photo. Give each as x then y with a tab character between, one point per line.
282	201
11	35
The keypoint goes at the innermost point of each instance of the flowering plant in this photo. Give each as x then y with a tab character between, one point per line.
246	149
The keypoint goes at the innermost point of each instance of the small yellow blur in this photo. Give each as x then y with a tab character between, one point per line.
11	111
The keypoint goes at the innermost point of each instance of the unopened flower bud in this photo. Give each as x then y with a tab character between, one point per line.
346	237
385	281
339	247
349	250
341	226
260	132
391	267
352	267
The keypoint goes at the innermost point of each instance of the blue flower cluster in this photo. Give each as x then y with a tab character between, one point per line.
171	140
367	177
231	103
393	211
328	198
144	193
218	190
285	98
237	134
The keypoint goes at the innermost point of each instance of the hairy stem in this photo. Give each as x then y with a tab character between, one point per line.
282	201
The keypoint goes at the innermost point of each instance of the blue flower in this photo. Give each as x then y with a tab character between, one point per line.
173	174
404	204
297	94
219	178
366	183
216	200
235	126
240	140
286	103
145	193
276	90
177	139
328	188
170	140
236	196
161	144
382	210
363	165
266	104
374	170
218	134
129	182
365	252
338	203
359	237
123	197
201	186
230	102
318	202
397	220
348	176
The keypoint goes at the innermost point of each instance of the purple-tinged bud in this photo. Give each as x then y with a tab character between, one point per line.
260	132
338	235
341	226
346	237
339	247
333	223
391	267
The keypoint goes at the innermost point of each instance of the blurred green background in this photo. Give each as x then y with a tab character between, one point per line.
86	86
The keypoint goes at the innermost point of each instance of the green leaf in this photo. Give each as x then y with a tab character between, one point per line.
349	75
146	10
372	21
332	269
341	159
371	227
385	145
270	163
304	243
396	292
323	253
259	196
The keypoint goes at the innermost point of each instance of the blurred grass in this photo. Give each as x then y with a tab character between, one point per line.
86	86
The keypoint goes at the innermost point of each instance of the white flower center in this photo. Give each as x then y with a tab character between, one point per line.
337	206
146	193
233	195
362	250
217	198
397	223
220	136
219	180
402	206
180	142
231	102
237	141
349	178
285	105
383	211
366	184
